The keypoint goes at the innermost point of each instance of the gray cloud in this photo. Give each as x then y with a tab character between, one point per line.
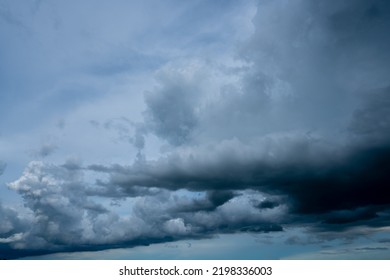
302	74
307	70
268	204
69	215
127	131
371	121
8	16
358	170
371	248
45	150
306	120
171	112
11	224
12	229
352	215
296	135
210	202
3	165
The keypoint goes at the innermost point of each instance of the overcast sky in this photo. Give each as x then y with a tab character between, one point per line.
202	129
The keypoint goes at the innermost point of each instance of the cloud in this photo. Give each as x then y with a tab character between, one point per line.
295	74
3	165
356	178
371	248
45	150
292	133
371	120
172	108
12	229
349	216
268	204
305	118
12	238
8	17
67	216
11	224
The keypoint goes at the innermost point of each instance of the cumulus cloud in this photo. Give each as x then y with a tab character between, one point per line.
12	229
11	224
66	215
294	133
306	118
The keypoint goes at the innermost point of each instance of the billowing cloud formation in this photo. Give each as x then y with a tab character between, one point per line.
66	216
295	131
12	230
351	175
307	119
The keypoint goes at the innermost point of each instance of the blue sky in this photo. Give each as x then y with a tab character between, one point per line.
210	123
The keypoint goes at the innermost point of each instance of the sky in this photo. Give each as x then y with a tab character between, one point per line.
195	129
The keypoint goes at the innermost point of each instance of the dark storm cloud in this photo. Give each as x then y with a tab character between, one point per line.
301	137
315	66
12	228
69	215
210	202
356	179
349	216
341	185
219	198
268	204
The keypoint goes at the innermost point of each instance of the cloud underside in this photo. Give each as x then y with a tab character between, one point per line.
298	137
